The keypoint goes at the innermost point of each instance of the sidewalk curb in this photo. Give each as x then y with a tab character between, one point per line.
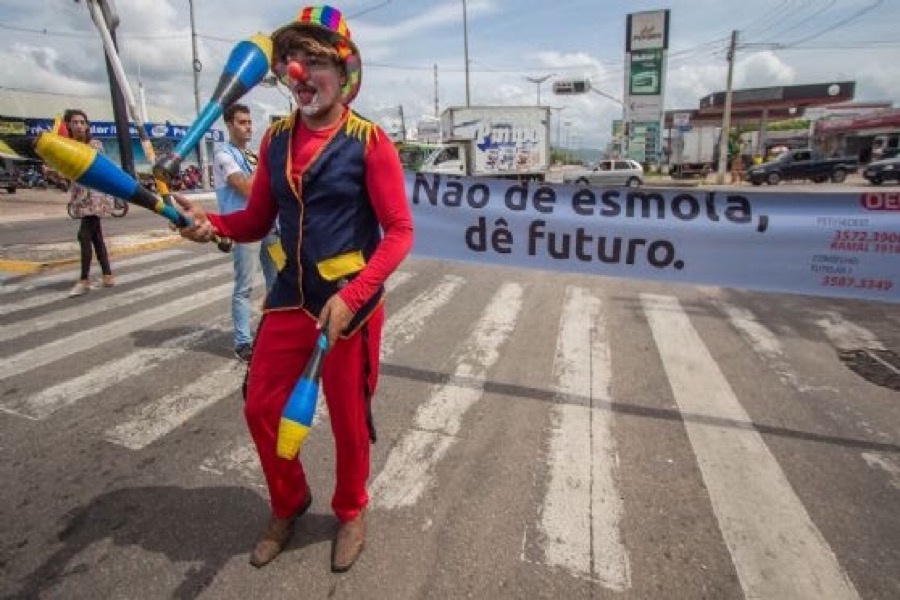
29	266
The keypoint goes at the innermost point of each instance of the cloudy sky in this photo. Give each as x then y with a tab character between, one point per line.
52	46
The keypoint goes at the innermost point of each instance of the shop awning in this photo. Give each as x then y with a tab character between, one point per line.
7	152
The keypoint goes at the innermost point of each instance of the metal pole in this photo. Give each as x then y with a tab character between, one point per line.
726	114
106	20
466	48
402	124
197	67
120	115
559	110
437	114
558	119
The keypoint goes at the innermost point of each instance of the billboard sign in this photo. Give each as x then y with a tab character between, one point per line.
646	50
647	30
646	73
107	130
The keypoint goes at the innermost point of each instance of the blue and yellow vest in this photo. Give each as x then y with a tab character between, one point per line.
328	227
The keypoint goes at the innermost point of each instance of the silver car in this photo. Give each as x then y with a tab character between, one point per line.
619	172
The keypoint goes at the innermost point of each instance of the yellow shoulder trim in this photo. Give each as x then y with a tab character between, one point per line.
361	128
281	125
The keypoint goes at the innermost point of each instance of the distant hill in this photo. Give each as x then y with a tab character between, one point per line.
582	155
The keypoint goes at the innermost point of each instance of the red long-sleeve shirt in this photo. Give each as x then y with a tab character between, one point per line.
387	193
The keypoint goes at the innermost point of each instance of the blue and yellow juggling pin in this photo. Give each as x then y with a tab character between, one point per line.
246	66
88	167
297	417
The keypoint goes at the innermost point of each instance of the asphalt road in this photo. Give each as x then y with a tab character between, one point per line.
39	217
540	436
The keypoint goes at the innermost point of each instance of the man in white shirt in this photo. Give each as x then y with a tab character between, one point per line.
233	173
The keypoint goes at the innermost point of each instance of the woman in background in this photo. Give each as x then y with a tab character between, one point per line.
94	205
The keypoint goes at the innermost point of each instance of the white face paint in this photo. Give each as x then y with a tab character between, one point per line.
312	108
316	87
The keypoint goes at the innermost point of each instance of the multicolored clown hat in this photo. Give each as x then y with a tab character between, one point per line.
328	19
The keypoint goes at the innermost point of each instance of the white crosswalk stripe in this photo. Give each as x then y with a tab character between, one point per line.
78	342
581	513
846	335
776	548
409	467
43	281
41	299
49	400
239	458
406	324
108	302
155	419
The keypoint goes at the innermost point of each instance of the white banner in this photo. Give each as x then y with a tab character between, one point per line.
845	245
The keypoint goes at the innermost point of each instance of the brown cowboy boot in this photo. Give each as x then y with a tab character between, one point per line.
277	535
348	543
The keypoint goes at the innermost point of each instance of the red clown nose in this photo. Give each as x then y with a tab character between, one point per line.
296	71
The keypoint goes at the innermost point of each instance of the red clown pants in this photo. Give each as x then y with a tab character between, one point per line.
283	346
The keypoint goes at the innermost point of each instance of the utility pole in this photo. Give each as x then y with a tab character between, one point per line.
436	113
726	114
466	48
198	66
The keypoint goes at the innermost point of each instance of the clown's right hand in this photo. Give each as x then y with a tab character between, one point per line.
201	229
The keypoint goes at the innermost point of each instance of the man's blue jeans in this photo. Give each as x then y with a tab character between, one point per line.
244	259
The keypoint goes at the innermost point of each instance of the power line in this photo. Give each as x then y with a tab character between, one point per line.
768	18
88	34
67	94
840	23
804	21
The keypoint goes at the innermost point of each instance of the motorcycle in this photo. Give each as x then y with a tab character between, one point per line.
119	208
32	178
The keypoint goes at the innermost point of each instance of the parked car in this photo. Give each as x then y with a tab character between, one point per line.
619	172
8	181
881	171
802	163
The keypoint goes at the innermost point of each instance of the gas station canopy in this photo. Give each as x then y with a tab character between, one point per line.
753	105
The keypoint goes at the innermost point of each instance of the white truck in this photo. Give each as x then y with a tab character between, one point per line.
694	152
493	141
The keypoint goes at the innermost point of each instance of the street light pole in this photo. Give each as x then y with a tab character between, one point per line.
466	48
558	121
538	81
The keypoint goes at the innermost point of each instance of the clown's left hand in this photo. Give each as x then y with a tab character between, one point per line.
338	316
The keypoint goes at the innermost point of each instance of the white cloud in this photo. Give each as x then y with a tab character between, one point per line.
764	69
402	40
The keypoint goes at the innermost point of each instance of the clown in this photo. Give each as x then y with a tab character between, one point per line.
335	184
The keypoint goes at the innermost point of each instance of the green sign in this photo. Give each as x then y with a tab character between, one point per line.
646	72
643	142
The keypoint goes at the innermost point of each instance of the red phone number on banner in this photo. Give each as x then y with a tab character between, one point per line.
875	237
854	282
